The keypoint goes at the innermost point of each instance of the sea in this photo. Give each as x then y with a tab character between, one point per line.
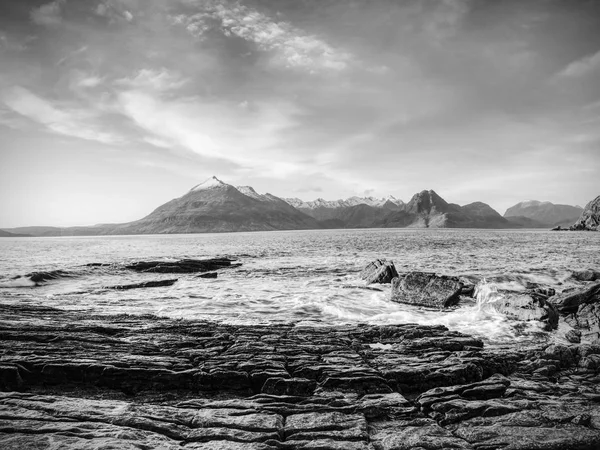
301	277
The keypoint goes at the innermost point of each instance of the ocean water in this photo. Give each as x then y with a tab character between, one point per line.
305	277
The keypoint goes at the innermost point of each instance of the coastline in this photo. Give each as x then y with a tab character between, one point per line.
70	378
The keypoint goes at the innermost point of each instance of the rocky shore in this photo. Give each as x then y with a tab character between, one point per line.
71	380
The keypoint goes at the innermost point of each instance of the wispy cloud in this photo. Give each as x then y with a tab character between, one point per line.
247	136
157	80
293	47
75	123
49	14
582	67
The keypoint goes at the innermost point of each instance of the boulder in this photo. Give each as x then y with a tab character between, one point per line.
569	301
526	306
379	271
581	308
590	217
586	275
426	289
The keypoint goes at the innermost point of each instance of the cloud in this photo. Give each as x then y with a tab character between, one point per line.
73	123
49	14
157	80
113	11
581	67
249	137
292	46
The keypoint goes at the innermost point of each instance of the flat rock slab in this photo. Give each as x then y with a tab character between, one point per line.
426	289
73	380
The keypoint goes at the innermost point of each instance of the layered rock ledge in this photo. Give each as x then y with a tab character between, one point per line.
71	380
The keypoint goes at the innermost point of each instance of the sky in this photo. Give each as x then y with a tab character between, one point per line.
109	108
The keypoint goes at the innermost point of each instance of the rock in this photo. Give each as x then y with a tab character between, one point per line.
426	289
289	386
586	320
145	284
586	275
40	277
379	271
570	300
573	336
526	306
182	266
590	217
207	275
72	379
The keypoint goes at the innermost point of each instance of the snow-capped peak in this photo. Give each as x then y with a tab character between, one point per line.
249	191
352	201
211	183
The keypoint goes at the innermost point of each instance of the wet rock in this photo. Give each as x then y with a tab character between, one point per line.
87	381
182	266
379	271
145	284
526	306
573	336
426	289
586	275
568	301
40	277
207	275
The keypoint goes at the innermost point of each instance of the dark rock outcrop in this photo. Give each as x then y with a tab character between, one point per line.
379	271
145	284
426	289
586	275
581	310
182	266
43	276
75	380
590	217
527	306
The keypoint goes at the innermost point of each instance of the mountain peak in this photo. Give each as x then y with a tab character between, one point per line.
211	183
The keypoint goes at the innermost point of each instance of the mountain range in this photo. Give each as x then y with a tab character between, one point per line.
214	206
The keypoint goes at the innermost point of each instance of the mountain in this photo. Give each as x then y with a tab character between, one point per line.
214	206
545	213
590	217
8	234
426	209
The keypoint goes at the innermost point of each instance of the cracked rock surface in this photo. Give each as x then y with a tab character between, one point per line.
71	380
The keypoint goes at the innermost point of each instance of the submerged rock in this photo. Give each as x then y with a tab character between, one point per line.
379	271
40	277
426	289
182	266
527	306
145	284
